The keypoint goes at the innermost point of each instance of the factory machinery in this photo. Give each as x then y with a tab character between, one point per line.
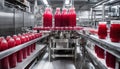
87	47
64	44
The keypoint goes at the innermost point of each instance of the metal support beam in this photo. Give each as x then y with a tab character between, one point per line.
103	11
103	1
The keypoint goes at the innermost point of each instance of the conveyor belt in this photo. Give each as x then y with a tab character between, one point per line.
56	64
62	63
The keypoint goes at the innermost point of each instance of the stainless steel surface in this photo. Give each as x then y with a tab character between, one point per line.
106	45
56	64
32	19
1	3
28	19
26	23
12	20
56	55
6	21
30	58
60	40
18	21
19	47
63	48
62	63
61	44
111	47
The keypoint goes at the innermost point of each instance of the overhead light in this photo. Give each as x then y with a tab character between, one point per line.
45	2
67	2
111	1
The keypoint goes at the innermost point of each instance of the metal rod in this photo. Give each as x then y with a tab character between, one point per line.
103	11
112	48
91	15
103	1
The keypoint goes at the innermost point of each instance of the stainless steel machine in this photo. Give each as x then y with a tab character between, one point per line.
62	44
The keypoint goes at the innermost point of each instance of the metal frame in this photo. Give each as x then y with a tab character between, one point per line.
52	48
30	58
113	48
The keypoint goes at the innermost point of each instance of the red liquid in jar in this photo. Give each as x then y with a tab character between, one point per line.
13	57
19	53
50	18
72	17
110	60
30	38
29	47
3	46
57	18
14	36
47	18
65	18
34	44
23	40
115	32
99	52
28	51
96	49
1	38
102	31
8	37
27	39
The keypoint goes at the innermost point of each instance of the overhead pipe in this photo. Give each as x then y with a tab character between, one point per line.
105	2
100	3
103	11
70	4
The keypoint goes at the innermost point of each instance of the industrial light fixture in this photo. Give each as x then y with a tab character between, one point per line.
45	2
67	2
111	0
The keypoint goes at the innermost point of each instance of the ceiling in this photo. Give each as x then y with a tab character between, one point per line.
79	4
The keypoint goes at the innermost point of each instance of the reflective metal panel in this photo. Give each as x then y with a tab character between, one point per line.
32	20
12	20
6	21
28	19
1	2
18	21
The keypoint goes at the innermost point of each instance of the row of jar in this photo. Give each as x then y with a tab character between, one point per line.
61	19
114	32
114	35
57	28
13	41
108	57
